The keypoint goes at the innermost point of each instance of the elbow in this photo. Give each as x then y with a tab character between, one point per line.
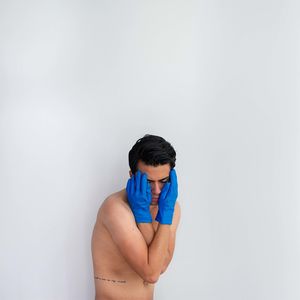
151	275
152	279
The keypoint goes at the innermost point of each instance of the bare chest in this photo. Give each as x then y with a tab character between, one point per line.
112	273
106	255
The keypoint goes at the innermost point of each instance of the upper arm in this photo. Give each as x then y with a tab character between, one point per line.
127	237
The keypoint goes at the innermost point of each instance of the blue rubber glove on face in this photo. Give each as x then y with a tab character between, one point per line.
139	197
167	199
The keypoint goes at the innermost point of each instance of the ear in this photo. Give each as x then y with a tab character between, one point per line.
130	173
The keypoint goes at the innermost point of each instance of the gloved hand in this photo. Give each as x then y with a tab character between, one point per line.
139	197
167	199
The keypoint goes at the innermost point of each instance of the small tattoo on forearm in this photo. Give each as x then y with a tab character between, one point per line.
111	280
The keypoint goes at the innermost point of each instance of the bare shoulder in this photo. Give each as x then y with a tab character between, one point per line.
115	199
114	206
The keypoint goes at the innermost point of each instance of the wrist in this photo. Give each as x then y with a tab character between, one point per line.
142	215
165	216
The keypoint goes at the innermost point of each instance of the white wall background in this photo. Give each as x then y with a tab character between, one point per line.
81	81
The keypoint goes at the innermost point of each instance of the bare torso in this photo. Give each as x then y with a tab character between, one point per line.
114	278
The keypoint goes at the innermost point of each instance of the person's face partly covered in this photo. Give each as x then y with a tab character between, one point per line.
156	176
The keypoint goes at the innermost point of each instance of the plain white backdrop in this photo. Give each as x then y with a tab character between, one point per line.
81	81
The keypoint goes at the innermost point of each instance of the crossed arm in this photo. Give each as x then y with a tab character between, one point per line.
148	253
148	233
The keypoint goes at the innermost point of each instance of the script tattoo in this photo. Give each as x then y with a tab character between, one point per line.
111	280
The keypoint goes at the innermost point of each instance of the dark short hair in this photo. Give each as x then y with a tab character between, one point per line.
153	150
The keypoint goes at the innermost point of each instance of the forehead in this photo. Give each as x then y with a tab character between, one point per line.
154	173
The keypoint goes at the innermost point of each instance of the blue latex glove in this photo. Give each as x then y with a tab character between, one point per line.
139	197
167	199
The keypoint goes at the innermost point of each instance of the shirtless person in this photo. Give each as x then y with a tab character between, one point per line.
134	236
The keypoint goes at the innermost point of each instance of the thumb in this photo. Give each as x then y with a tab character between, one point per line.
164	191
148	190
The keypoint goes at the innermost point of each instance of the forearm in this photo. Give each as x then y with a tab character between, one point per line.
147	231
158	250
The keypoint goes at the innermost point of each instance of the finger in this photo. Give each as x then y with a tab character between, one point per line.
144	183
133	183
148	192
173	178
148	188
164	191
138	181
129	186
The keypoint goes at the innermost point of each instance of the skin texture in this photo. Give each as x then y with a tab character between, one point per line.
117	275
